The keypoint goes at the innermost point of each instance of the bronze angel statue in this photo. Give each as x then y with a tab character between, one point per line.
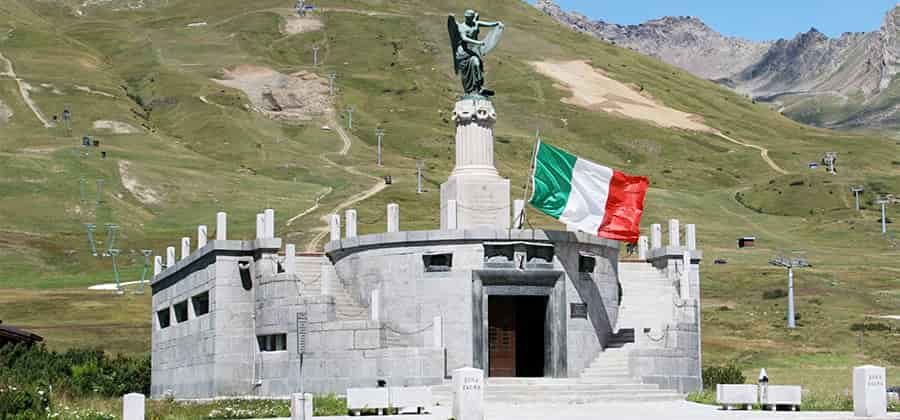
469	51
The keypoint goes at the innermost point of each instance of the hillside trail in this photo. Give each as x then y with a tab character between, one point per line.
762	151
313	244
23	91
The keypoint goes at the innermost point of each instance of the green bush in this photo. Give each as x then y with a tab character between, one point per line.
774	294
715	375
329	405
23	403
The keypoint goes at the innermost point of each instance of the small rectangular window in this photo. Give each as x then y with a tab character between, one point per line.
201	304
164	319
272	342
181	311
438	262
586	264
578	310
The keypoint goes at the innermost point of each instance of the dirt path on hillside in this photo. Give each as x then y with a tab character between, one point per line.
24	91
379	186
762	152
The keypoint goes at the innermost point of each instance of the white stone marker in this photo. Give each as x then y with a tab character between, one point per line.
133	407
334	222
869	391
655	236
290	258
690	237
393	217
643	248
468	394
157	265
301	406
452	216
221	226
437	332
185	247
260	225
170	257
269	219
202	232
350	217
518	215
375	306
686	275
674	233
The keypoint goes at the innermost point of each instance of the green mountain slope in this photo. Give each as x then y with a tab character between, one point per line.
201	147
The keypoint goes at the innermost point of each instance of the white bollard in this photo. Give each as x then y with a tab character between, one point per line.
185	247
468	394
518	216
686	275
301	406
869	391
335	224
350	217
133	407
202	232
690	237
269	219
393	217
374	306
452	215
643	248
157	265
674	233
437	332
655	236
290	259
221	226
170	257
260	225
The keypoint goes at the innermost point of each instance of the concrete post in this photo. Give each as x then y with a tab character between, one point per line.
327	280
674	233
690	237
374	306
437	331
185	247
686	275
221	226
334	223
655	236
170	256
290	259
452	217
202	232
157	265
518	215
301	406
643	248
350	219
260	225
133	407
269	219
393	217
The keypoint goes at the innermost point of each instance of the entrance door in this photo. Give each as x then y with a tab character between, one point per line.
516	331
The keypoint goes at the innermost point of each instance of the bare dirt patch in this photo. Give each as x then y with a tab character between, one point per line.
5	113
594	90
143	193
298	25
295	97
116	127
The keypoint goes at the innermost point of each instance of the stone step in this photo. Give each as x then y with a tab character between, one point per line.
571	398
571	386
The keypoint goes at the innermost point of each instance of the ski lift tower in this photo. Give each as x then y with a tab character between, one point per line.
830	161
884	200
790	263
857	191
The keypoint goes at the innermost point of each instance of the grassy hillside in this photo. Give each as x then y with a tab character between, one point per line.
201	149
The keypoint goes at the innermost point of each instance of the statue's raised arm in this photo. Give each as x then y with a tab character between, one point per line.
469	51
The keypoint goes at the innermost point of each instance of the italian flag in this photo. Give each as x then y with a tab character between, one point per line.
592	198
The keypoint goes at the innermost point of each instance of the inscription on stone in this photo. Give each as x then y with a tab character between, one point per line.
578	310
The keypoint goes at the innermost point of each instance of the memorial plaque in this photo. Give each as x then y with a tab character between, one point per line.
578	310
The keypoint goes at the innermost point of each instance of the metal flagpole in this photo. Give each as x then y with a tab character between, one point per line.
520	218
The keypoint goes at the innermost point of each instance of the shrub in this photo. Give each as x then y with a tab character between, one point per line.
18	402
774	294
869	326
329	405
715	375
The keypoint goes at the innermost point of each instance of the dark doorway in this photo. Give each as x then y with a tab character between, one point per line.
516	330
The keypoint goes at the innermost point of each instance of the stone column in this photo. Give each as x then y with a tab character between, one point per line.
290	259
643	248
437	332
449	222
269	219
157	265
468	394
260	225
674	233
375	306
301	406
686	275
518	215
475	121
327	279
393	217
655	236
221	226
350	219
133	407
334	223
202	232
690	237
170	257
185	247
869	391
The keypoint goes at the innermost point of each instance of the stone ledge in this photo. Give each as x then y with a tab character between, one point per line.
674	252
212	248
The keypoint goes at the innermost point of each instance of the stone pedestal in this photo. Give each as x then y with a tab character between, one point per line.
869	391
468	394
301	406
481	195
133	407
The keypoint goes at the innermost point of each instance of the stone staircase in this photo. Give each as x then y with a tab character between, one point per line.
647	298
310	267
